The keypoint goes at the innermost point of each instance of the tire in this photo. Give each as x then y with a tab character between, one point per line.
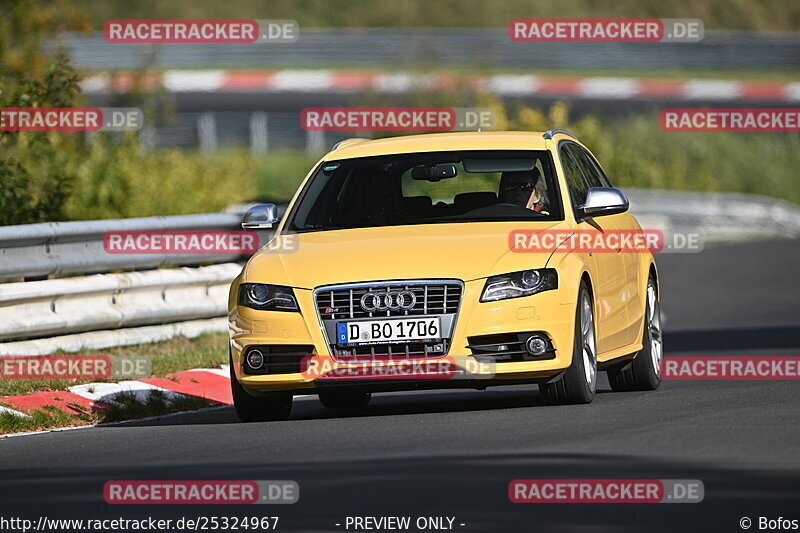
643	372
266	407
344	399
578	383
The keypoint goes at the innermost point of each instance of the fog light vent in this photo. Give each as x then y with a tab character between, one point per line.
255	359
536	345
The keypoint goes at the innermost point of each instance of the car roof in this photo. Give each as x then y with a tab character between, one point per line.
439	142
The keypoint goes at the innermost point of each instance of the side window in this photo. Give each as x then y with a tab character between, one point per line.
594	175
575	182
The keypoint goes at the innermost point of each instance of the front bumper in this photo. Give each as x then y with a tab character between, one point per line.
541	312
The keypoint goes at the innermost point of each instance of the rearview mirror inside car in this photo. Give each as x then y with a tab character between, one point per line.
434	172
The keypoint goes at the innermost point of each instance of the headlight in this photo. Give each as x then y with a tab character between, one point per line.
267	297
518	284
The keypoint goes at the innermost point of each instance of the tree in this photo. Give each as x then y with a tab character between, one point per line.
34	74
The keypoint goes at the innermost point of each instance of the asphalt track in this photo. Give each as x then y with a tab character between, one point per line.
453	453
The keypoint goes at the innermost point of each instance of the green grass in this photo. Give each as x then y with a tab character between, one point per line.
633	150
206	351
120	180
174	355
279	173
102	179
128	408
637	153
44	419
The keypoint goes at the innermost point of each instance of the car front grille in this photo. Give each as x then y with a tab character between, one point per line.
436	298
396	351
440	298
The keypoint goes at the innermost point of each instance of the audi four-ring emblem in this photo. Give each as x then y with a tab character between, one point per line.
383	301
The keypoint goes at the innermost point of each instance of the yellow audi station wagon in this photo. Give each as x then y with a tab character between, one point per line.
400	249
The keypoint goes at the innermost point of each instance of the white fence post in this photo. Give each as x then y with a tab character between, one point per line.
315	142
259	129
207	132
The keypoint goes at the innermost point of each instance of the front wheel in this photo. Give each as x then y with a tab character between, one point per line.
270	406
644	371
577	384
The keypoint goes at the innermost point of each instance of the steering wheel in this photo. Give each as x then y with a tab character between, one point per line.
502	209
402	215
392	212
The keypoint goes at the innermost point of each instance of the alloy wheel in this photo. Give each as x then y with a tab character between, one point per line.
655	333
589	349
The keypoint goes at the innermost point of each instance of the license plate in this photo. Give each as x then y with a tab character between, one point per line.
390	330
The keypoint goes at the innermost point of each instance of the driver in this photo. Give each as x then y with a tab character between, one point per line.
523	188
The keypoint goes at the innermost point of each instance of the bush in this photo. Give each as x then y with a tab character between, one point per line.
32	184
119	181
30	189
280	172
636	152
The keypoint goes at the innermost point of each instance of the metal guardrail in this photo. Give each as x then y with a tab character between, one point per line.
110	301
719	216
98	308
55	248
407	47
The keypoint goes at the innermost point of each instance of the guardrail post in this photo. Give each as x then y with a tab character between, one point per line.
259	124
315	142
147	138
207	132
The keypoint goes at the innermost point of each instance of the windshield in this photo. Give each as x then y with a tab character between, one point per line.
428	188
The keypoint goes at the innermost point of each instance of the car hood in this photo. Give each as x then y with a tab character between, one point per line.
465	251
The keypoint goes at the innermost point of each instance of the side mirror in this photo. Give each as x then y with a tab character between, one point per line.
601	201
261	216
